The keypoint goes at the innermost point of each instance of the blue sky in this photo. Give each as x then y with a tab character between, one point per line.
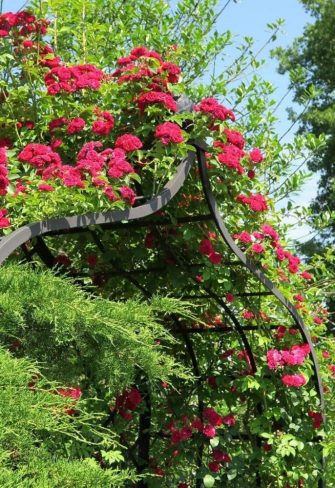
250	18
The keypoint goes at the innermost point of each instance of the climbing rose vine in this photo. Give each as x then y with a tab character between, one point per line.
81	138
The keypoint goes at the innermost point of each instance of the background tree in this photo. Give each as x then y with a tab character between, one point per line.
310	62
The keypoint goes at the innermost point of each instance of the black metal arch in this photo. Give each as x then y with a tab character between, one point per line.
214	209
133	216
11	242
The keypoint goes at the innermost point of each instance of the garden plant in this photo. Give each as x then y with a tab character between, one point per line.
148	354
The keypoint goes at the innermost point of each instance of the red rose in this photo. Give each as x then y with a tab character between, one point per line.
234	137
212	417
4	221
214	467
128	142
169	132
295	380
229	420
256	156
220	456
45	187
256	202
209	431
153	97
128	194
102	127
306	276
75	125
257	248
206	247
317	419
274	359
39	155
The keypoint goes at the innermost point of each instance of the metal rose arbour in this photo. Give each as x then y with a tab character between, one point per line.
147	214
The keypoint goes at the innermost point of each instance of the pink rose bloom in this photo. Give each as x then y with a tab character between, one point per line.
274	359
256	156
294	380
128	142
212	417
169	132
229	420
209	431
257	248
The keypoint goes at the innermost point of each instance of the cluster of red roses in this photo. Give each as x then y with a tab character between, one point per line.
127	402
88	162
169	132
156	97
39	155
94	163
296	380
266	231
135	67
218	457
73	78
208	429
21	24
231	153
292	356
102	166
101	126
207	249
282	331
255	202
212	420
257	240
229	144
296	355
143	64
74	393
215	110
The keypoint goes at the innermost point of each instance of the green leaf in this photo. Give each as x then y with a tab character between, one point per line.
208	481
232	474
214	442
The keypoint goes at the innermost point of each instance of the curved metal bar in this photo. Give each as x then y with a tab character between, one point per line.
214	209
10	243
238	327
218	300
